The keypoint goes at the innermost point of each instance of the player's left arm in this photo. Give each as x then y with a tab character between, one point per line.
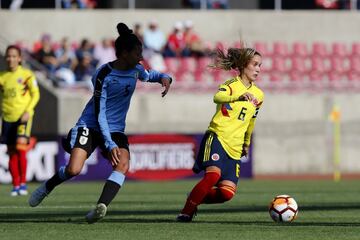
154	76
34	91
250	129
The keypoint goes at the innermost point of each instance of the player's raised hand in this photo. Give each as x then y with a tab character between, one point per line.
165	83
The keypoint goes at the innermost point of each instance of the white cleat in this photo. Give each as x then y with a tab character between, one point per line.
14	192
23	190
38	195
96	214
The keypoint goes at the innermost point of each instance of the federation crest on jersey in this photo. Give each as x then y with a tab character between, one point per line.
19	80
83	140
215	157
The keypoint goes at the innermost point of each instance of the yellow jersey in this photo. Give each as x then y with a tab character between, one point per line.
19	93
234	119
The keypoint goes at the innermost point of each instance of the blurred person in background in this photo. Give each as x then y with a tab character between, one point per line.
138	31
104	52
228	136
176	45
154	41
192	40
84	72
102	123
19	96
86	47
46	55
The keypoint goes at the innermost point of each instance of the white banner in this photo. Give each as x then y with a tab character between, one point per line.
41	162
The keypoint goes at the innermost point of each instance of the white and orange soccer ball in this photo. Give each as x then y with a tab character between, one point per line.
283	208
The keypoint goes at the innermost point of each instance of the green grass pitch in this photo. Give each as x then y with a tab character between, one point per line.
327	210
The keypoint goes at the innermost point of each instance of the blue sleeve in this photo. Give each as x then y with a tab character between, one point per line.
151	75
103	123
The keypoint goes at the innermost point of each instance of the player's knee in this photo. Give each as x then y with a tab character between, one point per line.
73	170
227	193
123	167
21	147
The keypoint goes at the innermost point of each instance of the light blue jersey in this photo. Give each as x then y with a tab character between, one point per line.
106	110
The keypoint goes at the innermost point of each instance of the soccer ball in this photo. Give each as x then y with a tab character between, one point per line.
283	208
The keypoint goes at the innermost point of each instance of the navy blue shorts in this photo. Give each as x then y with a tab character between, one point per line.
88	139
211	153
10	131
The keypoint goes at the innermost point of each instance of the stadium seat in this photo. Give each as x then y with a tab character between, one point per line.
279	64
262	48
172	65
318	64
298	64
280	49
355	49
337	64
299	50
319	49
355	64
202	63
188	64
339	50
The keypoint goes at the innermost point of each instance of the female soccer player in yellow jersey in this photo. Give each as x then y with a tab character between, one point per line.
19	94
227	138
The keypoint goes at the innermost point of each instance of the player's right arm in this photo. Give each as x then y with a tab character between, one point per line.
110	145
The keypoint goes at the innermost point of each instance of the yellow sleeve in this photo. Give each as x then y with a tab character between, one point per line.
251	126
225	94
34	93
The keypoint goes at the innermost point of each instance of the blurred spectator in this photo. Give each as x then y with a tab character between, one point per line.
104	52
192	40
154	38
82	4
138	31
154	41
327	4
86	48
210	4
67	62
176	46
45	55
84	71
66	55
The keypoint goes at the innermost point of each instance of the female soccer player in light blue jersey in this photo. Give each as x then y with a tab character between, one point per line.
102	123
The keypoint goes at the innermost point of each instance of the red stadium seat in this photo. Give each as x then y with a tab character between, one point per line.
188	64
280	49
337	64
318	64
355	49
203	62
355	64
298	64
299	49
339	50
319	49
172	64
279	64
262	48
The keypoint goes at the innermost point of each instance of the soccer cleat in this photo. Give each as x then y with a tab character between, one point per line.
14	192
96	214
183	218
23	190
38	195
